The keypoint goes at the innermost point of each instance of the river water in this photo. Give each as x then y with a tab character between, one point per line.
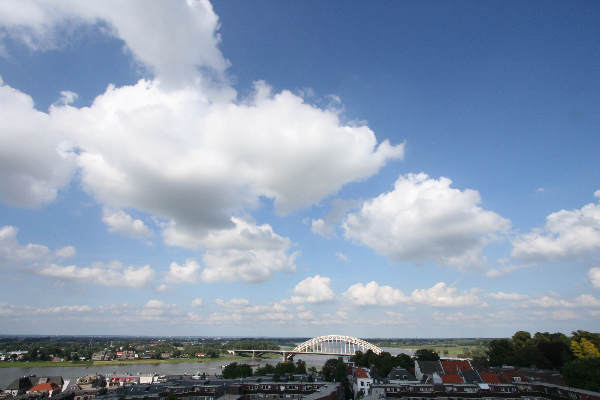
7	375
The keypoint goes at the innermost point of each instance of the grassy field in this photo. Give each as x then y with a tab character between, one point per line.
41	364
457	351
444	347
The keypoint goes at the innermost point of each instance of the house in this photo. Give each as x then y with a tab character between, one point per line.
19	386
453	365
451	378
424	370
401	375
57	380
362	381
46	389
470	376
512	377
489	377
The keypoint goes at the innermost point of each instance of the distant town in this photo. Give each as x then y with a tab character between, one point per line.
332	367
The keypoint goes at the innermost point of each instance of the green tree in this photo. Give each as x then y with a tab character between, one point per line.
521	339
557	353
235	370
501	352
426	355
267	369
583	373
300	367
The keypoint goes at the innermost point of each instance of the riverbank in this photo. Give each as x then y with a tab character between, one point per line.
45	364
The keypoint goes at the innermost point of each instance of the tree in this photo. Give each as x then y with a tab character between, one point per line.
501	352
584	348
300	367
583	373
287	367
404	361
335	369
521	339
426	355
556	352
592	337
235	370
267	369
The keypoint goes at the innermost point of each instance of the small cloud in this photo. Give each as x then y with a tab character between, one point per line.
540	189
342	257
66	252
153	303
162	288
66	97
197	302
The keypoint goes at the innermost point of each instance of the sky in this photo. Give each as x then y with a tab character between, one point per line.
281	168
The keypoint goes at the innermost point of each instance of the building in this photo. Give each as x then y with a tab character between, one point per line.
362	381
19	386
45	389
424	370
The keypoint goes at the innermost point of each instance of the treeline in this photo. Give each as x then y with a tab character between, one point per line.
381	364
74	348
577	356
235	370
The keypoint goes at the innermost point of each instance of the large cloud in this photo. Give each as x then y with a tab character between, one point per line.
106	275
196	163
33	159
594	275
12	253
439	295
180	147
566	235
247	252
156	33
314	289
424	219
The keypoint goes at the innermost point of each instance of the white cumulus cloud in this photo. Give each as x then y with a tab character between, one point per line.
247	252
314	289
374	294
66	252
424	219
439	295
594	276
33	158
185	273
131	277
146	31
507	296
567	234
197	302
121	222
12	253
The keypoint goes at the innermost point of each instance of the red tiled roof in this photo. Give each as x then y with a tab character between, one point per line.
489	377
451	378
452	366
44	387
361	373
510	375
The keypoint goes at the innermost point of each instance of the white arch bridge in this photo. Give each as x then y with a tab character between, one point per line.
333	345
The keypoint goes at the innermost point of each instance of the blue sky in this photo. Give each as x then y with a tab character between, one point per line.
299	168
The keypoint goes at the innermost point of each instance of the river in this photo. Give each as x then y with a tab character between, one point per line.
7	375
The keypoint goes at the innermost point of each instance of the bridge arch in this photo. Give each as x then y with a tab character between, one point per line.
336	344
